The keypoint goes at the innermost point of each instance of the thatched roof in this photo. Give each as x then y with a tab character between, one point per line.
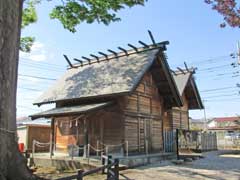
118	74
186	85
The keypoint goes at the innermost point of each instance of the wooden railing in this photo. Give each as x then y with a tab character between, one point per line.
109	166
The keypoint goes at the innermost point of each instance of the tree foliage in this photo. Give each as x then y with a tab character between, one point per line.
230	10
71	13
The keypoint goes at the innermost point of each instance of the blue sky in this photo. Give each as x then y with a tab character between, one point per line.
191	27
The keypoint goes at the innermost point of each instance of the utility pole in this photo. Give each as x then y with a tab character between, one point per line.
205	117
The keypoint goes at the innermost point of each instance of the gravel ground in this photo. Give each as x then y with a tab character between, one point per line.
216	165
220	165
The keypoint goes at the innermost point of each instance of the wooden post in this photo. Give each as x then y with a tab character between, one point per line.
80	175
85	137
52	137
146	142
109	162
33	149
103	163
116	169
106	150
72	151
177	144
98	147
126	148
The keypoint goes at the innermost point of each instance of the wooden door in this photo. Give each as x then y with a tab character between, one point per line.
144	135
141	136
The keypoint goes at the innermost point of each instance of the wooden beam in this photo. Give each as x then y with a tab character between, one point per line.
144	44
151	36
181	70
68	61
95	57
114	52
105	55
134	47
88	59
185	64
124	50
78	60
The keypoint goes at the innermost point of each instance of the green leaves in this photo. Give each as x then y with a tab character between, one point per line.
26	43
29	15
73	12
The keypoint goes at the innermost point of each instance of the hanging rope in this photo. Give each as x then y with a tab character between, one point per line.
8	131
97	150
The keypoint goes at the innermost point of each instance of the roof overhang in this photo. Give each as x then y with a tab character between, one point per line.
71	110
187	85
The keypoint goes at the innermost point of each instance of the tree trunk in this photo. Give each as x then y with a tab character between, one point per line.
12	163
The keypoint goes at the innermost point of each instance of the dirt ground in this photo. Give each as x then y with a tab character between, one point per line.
220	165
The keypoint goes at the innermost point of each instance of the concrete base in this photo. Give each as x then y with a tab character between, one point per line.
63	162
140	160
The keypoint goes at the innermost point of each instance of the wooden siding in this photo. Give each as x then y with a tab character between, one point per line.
103	126
179	116
143	117
38	133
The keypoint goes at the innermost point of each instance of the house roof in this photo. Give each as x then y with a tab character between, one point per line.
226	119
186	83
71	110
181	81
115	75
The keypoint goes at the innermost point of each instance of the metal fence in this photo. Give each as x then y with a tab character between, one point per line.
169	138
195	141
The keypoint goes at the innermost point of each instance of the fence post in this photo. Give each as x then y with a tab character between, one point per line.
33	148
177	144
108	162
80	175
116	169
126	148
106	150
97	148
72	151
146	141
103	162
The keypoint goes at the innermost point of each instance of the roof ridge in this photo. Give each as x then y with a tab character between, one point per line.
114	55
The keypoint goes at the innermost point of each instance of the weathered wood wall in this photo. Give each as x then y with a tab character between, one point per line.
143	117
178	117
38	133
105	126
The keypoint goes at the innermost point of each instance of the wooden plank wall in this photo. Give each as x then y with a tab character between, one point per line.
179	116
143	117
103	126
40	134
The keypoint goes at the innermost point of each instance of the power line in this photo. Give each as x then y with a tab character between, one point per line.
217	89
37	77
223	95
27	60
211	60
30	89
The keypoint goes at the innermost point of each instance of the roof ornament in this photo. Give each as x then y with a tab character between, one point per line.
181	70
78	60
152	38
144	44
134	47
88	59
95	57
185	64
103	54
114	52
124	50
68	61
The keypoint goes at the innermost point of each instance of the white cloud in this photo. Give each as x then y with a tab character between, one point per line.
38	52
